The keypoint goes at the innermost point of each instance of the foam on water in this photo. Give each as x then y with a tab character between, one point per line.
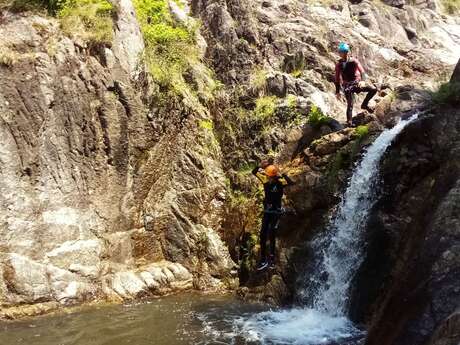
297	327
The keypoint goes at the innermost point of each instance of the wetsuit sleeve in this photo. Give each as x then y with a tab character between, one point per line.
262	177
286	180
337	78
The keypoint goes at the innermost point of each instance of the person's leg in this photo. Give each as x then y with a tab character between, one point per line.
274	223
263	241
371	92
349	97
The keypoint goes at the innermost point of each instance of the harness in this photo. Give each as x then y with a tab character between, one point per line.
350	86
280	211
348	71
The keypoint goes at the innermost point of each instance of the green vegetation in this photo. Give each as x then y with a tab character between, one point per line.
317	118
362	132
90	20
291	102
211	146
258	80
265	107
452	7
296	73
207	125
8	57
339	162
24	5
170	48
448	94
245	168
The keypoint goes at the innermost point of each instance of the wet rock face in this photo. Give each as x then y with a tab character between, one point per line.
447	332
409	282
456	75
92	189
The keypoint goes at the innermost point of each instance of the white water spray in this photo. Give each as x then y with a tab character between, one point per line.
341	246
339	252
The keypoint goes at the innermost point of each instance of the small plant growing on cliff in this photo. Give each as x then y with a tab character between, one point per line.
361	132
448	94
291	102
317	118
90	20
8	57
258	80
170	48
297	73
207	125
265	107
452	7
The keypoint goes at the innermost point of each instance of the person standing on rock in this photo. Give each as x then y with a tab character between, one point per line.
274	184
350	76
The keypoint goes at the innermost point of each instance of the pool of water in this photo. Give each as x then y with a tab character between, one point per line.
183	319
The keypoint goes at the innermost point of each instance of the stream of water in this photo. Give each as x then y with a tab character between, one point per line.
204	319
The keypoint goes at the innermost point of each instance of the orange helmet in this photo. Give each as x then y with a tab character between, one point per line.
271	171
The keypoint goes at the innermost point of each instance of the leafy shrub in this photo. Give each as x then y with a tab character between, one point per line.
317	118
448	94
265	107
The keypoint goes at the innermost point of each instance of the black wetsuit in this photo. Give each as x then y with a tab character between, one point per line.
272	210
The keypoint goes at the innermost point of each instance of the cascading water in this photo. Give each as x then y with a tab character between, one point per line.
339	251
341	247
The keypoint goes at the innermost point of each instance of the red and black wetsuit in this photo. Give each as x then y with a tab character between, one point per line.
348	73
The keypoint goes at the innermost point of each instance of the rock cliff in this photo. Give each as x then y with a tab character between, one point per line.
408	284
101	197
114	188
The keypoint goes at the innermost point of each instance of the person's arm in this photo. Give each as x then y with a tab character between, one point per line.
286	180
337	78
261	176
362	73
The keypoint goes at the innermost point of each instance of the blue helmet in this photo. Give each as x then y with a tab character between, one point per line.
343	47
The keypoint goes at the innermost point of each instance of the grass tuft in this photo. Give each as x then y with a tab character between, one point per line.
207	125
265	107
452	7
170	48
361	132
90	20
317	118
258	80
8	57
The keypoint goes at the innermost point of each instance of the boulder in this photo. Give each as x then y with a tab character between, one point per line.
330	143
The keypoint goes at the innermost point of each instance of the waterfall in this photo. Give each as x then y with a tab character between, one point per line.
340	248
338	254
